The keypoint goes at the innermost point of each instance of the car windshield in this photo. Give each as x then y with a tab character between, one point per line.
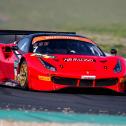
65	46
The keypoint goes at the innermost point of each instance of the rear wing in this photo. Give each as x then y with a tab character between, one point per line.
8	36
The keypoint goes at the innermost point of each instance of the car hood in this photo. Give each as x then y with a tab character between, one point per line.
78	63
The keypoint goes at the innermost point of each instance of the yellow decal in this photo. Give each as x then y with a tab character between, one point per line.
43	55
44	78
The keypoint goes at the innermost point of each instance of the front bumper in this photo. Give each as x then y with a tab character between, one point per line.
58	81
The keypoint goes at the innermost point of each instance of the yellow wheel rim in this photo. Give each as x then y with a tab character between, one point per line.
23	74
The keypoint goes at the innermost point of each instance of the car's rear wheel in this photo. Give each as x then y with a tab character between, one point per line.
23	75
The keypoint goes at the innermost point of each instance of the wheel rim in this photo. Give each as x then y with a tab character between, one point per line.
23	74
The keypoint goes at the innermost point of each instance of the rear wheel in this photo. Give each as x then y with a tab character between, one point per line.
23	75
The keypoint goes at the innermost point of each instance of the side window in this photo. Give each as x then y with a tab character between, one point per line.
23	45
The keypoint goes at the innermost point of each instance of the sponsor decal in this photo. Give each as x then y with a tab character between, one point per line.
61	37
41	38
88	77
44	78
79	60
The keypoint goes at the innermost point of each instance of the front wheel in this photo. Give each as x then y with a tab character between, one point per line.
23	75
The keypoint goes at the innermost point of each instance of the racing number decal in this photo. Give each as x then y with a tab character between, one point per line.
15	68
17	54
16	62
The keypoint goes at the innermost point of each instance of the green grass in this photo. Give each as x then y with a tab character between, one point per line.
83	16
113	29
92	15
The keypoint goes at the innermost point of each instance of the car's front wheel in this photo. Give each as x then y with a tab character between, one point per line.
23	75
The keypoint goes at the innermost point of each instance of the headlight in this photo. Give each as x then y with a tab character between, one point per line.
47	65
118	67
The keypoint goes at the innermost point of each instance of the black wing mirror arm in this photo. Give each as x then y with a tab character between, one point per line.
14	48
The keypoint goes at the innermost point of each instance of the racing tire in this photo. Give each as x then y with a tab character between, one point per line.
23	75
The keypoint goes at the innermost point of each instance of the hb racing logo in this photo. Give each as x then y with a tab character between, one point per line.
78	60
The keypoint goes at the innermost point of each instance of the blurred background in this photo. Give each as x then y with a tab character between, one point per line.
104	21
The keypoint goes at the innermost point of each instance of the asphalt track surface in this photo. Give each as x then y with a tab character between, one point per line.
64	101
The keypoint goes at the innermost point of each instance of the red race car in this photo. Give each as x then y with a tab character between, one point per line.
51	61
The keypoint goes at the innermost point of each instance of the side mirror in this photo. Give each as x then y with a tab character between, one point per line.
113	51
14	48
